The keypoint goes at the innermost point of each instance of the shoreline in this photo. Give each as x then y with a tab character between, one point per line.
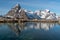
26	20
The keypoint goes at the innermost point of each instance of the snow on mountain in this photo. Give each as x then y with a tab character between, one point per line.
37	12
18	12
31	12
52	13
44	14
46	10
51	17
47	14
32	16
57	17
25	10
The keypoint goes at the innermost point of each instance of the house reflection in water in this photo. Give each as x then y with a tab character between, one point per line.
18	28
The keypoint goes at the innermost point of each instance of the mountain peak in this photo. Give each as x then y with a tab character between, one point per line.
17	4
17	7
47	10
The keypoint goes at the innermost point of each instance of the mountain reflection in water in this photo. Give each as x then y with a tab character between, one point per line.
17	28
30	31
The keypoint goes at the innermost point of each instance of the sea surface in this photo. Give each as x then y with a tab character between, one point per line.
29	31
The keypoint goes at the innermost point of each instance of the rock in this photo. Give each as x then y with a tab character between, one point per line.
17	12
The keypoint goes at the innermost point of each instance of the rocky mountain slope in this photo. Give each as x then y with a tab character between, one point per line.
18	12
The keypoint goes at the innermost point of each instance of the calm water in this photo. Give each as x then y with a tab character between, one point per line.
29	31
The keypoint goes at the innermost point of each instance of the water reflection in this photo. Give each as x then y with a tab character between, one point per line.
19	27
29	31
14	27
34	25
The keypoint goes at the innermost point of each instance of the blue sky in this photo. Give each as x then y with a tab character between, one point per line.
52	5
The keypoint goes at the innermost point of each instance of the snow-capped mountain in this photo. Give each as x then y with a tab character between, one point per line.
19	12
46	14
